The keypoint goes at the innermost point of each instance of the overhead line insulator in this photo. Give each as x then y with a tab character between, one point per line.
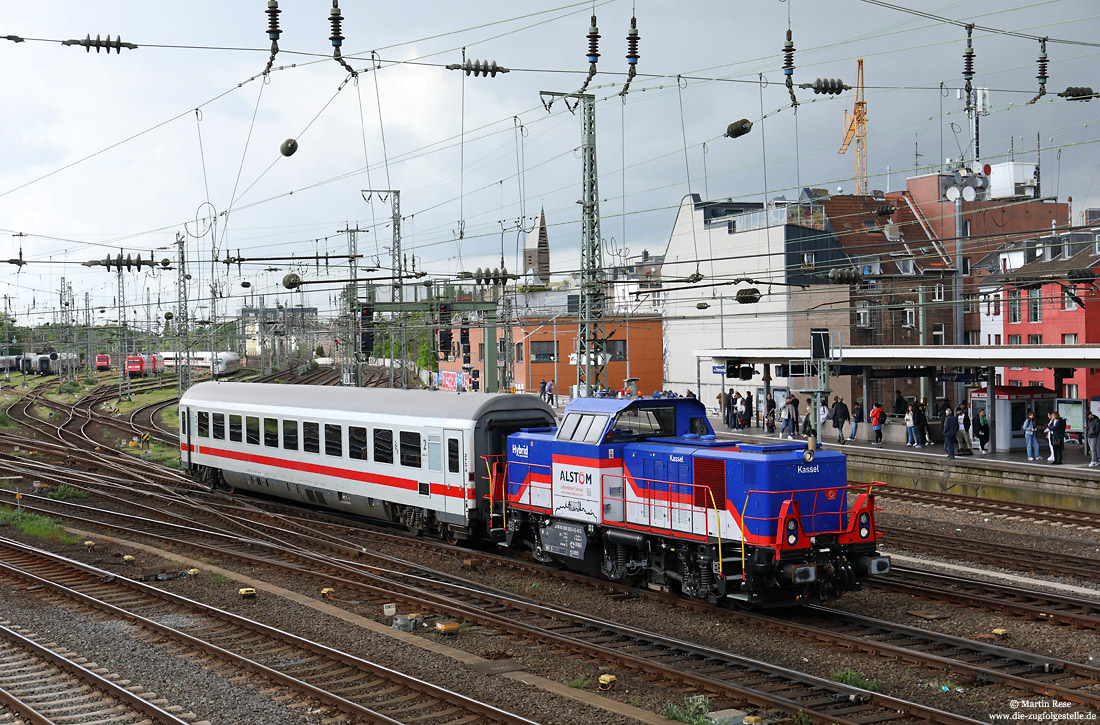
273	31
788	65
632	56
479	68
117	45
1078	93
828	86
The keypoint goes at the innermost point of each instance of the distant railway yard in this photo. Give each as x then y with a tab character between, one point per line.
135	591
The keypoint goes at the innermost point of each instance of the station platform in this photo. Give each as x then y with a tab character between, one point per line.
1002	476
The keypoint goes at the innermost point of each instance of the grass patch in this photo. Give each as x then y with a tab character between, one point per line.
579	682
219	579
693	710
67	491
35	526
162	453
856	679
6	421
137	400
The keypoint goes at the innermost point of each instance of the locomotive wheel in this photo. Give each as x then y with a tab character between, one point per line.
451	536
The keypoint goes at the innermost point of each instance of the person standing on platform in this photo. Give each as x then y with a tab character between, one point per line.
950	429
1092	435
729	409
857	418
910	428
738	410
721	398
900	404
749	410
808	421
982	428
1050	436
1030	441
878	417
920	423
963	436
769	414
841	417
1058	438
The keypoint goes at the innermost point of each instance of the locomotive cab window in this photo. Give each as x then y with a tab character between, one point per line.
383	445
235	433
290	435
699	426
357	443
252	430
453	457
647	421
410	449
204	424
219	426
334	443
271	432
582	428
311	437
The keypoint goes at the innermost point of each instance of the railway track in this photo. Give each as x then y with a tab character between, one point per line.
356	687
988	596
997	508
44	685
1036	561
722	673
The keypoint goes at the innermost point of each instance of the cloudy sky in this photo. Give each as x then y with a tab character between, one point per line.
123	152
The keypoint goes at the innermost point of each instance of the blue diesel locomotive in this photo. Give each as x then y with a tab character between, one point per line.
643	491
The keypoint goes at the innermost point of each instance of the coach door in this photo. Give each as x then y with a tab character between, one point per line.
185	432
454	455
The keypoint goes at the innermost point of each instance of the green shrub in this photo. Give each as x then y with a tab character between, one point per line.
33	525
580	682
693	711
67	491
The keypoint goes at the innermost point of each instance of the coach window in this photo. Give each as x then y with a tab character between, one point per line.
290	435
334	440
204	424
435	453
311	437
383	445
453	460
235	428
410	449
219	426
271	432
357	443
252	430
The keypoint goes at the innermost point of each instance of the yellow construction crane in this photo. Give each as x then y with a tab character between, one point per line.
857	129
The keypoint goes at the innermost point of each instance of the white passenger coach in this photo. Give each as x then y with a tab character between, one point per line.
414	457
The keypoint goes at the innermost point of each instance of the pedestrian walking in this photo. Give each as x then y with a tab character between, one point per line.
1030	441
1092	435
808	421
542	389
910	429
841	416
857	418
878	417
1058	438
982	429
551	395
950	430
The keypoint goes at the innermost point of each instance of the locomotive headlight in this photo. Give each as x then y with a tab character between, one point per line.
864	525
808	455
792	532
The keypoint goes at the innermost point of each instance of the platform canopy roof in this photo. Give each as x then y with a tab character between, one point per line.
1037	356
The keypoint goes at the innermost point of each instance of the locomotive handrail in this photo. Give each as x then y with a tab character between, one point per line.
790	494
654	502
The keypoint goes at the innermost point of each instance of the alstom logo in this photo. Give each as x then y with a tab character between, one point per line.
574	477
519	451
